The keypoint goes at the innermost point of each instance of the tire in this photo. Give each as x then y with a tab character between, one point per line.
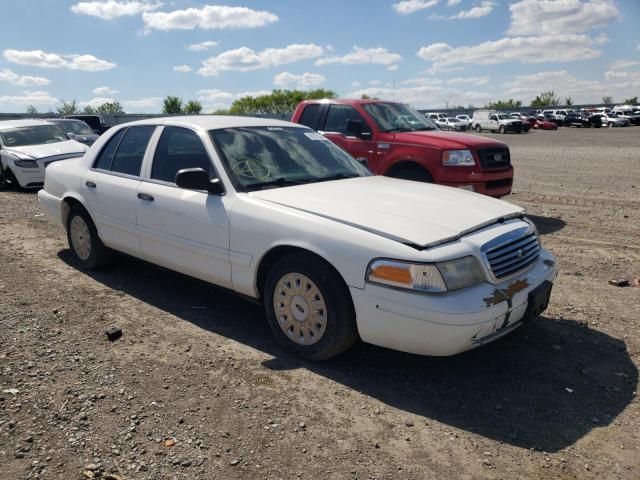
86	247
3	179
291	320
8	180
411	172
478	128
610	124
501	129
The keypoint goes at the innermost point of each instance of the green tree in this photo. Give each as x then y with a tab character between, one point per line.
172	105
89	110
607	100
221	111
278	102
68	108
31	110
193	107
546	99
110	108
631	101
501	104
568	101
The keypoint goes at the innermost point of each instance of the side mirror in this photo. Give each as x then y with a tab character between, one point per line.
198	179
355	127
71	135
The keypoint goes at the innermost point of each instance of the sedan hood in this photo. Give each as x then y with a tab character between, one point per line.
414	213
447	140
36	152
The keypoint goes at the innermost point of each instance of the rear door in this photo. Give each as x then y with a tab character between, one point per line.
335	128
110	187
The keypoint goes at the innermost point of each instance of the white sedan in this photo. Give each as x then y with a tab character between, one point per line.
27	147
275	211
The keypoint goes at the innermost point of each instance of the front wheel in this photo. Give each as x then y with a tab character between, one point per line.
501	129
309	308
411	172
88	250
610	124
478	128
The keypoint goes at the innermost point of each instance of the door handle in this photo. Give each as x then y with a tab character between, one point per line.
145	196
90	184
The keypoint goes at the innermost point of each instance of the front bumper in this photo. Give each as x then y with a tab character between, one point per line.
446	324
487	182
29	177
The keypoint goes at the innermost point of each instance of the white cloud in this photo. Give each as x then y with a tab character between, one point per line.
38	58
208	17
110	9
304	80
28	98
375	82
379	55
548	17
392	68
7	75
482	10
410	6
469	80
213	98
95	102
202	46
559	48
105	91
245	59
182	68
424	96
355	84
623	64
453	3
142	104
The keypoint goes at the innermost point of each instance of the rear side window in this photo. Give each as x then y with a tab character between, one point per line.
130	152
178	148
338	116
105	158
309	116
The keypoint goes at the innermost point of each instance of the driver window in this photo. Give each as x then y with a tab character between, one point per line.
338	116
178	148
493	117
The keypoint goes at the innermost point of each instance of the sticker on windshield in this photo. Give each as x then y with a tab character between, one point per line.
314	136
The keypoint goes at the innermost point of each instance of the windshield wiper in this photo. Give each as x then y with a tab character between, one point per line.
398	129
278	182
337	176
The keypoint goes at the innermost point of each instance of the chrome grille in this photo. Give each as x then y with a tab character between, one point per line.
513	256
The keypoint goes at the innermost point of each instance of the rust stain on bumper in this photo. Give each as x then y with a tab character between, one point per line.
506	294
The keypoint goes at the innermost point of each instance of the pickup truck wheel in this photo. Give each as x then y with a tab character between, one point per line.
308	307
501	129
411	172
88	250
478	128
610	124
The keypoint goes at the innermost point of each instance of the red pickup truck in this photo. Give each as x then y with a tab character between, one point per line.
396	140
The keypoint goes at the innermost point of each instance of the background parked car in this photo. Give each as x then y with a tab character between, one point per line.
380	134
611	120
96	122
27	147
495	122
465	119
542	124
575	119
75	129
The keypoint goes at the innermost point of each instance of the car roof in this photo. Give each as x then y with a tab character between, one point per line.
211	122
6	124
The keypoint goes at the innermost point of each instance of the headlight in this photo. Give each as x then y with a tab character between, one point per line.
26	163
458	158
426	277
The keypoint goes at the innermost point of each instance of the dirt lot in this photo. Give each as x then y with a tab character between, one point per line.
196	365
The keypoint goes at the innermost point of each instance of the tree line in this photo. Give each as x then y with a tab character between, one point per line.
280	102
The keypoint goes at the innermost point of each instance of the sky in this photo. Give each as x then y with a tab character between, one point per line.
429	53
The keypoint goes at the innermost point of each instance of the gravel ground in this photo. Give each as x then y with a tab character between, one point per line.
196	388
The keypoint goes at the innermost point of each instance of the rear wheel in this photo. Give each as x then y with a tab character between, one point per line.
309	308
411	172
478	128
501	129
88	250
610	124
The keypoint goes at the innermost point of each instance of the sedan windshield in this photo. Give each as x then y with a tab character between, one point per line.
75	126
34	135
397	117
271	157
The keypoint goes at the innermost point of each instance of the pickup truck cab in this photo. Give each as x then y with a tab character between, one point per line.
395	140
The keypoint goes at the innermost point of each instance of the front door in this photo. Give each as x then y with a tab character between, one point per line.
335	129
184	230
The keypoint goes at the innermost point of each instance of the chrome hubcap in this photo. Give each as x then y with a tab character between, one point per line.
80	238
300	309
